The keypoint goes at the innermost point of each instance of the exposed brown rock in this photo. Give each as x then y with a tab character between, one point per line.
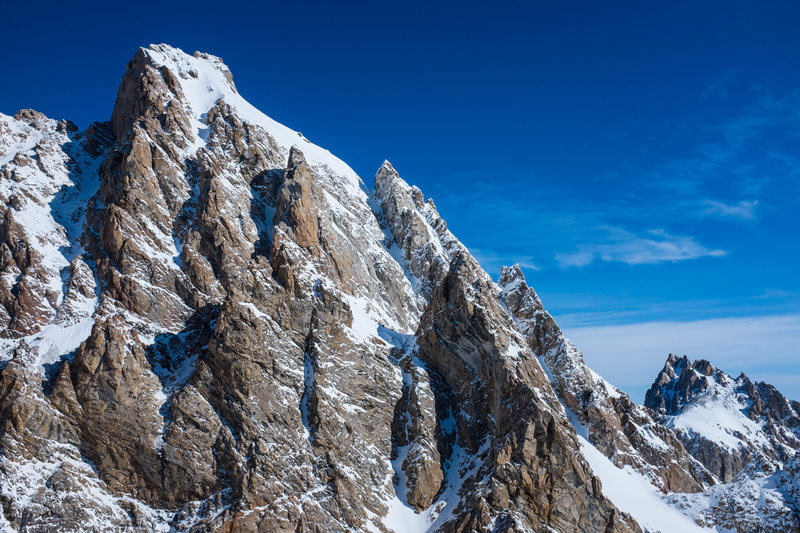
620	429
505	401
775	436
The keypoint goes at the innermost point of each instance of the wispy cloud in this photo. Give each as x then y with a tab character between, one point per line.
631	355
622	246
744	209
734	170
582	310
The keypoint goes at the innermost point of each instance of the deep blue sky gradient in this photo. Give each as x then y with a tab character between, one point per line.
640	159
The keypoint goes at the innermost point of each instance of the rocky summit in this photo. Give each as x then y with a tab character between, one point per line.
209	323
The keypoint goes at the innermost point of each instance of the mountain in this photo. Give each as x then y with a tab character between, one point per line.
209	323
747	434
725	422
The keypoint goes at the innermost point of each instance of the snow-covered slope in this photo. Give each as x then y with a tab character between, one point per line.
205	80
48	175
759	498
664	465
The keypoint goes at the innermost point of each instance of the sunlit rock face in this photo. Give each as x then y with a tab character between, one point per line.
210	323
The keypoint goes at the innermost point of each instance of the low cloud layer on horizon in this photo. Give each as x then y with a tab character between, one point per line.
631	355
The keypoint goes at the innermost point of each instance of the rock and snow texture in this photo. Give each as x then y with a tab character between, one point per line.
725	422
210	323
221	334
623	431
759	498
709	446
48	172
747	434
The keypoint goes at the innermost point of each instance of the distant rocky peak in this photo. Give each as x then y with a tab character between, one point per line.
724	422
387	169
525	306
682	380
510	273
512	281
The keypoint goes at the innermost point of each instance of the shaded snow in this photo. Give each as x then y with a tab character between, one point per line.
23	480
54	188
632	493
52	208
717	416
56	340
462	465
308	385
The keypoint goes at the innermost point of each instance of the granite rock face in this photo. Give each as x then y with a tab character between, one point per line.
622	430
211	324
500	400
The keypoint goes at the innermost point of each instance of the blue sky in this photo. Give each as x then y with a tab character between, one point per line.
640	160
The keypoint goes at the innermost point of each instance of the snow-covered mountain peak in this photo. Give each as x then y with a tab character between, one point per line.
680	381
387	165
511	272
726	422
199	82
206	68
512	279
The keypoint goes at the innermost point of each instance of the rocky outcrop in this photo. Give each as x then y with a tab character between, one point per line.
223	376
416	230
758	498
46	166
418	439
622	430
503	400
745	433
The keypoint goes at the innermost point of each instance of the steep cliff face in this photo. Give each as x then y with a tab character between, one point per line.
210	323
622	430
221	334
502	401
